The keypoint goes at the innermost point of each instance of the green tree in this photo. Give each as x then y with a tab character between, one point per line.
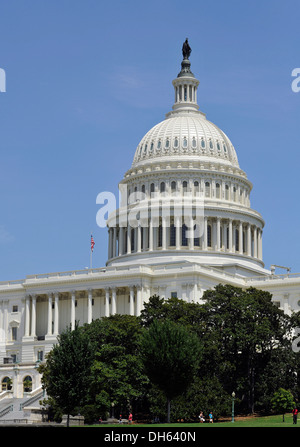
282	401
67	372
171	355
248	329
118	378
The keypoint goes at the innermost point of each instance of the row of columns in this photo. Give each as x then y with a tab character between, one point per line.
53	314
249	237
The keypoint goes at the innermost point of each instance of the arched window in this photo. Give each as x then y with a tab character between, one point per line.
234	194
226	192
160	236
172	235
207	189
173	186
27	384
143	189
184	186
152	188
6	384
209	235
196	238
196	187
183	235
132	239
218	191
162	187
237	242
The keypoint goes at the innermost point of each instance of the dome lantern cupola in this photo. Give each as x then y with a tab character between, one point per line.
185	84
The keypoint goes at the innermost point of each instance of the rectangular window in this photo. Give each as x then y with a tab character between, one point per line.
173	294
15	309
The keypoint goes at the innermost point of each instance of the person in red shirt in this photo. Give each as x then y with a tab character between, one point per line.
295	413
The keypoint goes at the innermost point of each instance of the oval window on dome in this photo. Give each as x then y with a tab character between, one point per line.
145	148
218	147
151	147
167	145
158	144
202	143
211	144
194	143
176	142
225	148
184	143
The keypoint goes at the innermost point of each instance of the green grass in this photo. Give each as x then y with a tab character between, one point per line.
265	421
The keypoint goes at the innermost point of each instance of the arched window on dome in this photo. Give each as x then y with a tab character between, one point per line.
132	239
207	189
218	194
159	236
143	189
209	235
152	189
241	195
162	187
196	188
173	187
196	238
184	187
237	240
234	194
226	192
184	240
172	235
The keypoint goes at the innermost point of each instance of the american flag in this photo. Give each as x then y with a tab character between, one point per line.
92	243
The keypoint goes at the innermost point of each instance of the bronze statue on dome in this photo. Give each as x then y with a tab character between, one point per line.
186	49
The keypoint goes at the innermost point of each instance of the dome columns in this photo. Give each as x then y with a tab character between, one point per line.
219	235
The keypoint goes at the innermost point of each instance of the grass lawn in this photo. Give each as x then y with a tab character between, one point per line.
265	421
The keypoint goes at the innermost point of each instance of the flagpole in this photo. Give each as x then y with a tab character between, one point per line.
91	255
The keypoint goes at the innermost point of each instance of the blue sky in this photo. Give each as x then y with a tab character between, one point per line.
87	79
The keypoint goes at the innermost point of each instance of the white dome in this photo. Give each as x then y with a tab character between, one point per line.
186	135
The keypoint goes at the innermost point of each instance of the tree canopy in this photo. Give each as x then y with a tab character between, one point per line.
193	354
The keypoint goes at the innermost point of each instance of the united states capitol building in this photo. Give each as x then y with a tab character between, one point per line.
184	225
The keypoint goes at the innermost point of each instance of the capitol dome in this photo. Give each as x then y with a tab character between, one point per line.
185	135
185	197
